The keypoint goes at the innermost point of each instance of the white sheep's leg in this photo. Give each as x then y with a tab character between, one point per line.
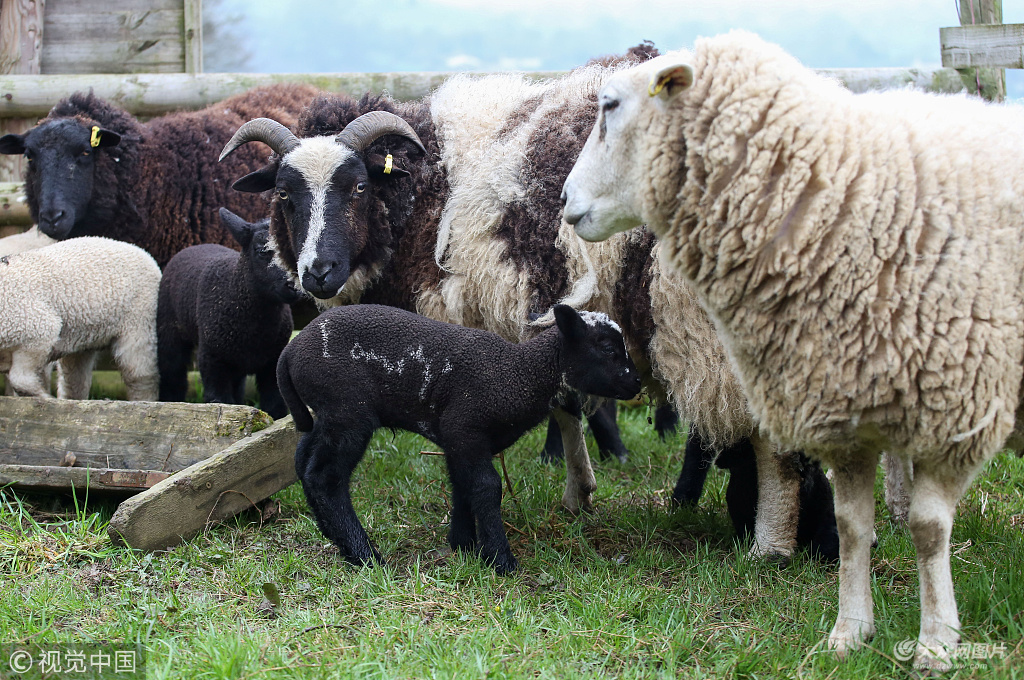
933	498
854	480
74	375
135	356
778	501
28	373
580	482
897	476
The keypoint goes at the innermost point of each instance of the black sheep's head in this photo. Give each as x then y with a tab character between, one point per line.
61	157
322	186
267	277
594	354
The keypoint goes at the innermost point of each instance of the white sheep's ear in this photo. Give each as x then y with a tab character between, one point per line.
669	81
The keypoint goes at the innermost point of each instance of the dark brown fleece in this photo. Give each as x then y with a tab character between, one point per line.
161	186
632	301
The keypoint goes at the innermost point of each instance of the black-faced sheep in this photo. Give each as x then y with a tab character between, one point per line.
232	308
860	255
470	232
363	367
94	170
68	300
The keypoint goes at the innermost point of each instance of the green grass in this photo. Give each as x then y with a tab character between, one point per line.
635	590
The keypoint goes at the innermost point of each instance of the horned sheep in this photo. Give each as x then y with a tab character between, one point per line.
68	300
94	170
860	256
449	207
364	367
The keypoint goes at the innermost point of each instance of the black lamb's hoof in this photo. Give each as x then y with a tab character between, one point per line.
503	566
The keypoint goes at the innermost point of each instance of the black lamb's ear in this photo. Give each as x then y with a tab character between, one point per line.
239	228
379	169
12	145
569	323
257	182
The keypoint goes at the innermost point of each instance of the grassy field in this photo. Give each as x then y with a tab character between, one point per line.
634	590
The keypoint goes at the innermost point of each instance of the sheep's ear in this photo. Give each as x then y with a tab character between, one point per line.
670	80
380	169
12	145
257	182
104	138
239	228
569	323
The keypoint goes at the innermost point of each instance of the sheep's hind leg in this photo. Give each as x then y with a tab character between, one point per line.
28	374
697	460
173	359
778	501
854	479
74	375
462	527
580	482
933	498
271	400
324	463
474	477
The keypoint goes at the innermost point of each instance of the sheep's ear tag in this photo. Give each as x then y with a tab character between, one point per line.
389	163
94	140
676	78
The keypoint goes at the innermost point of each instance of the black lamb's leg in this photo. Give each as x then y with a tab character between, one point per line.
666	420
697	459
552	443
324	462
817	530
173	359
741	491
271	400
473	476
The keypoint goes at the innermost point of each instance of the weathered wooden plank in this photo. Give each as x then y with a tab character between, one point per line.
155	94
107	26
193	35
946	81
227	483
57	478
21	42
107	434
991	45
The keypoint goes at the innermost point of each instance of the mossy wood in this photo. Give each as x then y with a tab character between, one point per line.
228	482
50	444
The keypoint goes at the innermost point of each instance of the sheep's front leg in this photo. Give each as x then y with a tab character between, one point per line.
933	499
221	384
854	479
74	375
270	396
778	500
324	462
580	482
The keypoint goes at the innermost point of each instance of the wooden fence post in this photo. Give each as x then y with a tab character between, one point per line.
21	45
989	83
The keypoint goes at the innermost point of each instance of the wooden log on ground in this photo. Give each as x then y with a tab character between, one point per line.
226	483
89	443
147	94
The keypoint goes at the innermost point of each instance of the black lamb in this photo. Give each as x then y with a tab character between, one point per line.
363	367
233	309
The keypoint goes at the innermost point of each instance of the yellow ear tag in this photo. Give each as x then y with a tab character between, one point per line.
658	84
388	164
94	140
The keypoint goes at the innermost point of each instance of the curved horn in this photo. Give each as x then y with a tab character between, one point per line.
367	128
270	132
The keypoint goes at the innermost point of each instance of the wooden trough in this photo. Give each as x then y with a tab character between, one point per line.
182	465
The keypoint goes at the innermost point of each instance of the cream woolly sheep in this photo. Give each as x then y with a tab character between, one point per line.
861	258
72	298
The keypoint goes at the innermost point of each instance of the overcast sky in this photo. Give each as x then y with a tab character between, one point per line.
442	35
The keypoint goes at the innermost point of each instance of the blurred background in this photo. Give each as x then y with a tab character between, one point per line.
280	36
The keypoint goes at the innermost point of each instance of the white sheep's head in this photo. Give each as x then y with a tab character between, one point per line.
321	184
603	193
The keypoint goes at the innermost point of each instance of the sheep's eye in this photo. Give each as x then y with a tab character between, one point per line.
282	194
361	187
86	153
609	105
29	155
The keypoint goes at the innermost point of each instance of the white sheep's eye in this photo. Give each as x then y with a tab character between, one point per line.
361	187
282	194
609	105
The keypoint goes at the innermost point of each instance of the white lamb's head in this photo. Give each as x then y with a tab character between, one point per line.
603	193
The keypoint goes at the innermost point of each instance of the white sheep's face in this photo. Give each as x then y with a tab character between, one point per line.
602	195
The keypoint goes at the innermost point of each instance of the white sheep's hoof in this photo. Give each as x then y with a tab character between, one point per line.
576	504
934	655
849	635
769	553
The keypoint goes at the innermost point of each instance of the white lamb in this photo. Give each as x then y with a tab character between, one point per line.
68	300
862	257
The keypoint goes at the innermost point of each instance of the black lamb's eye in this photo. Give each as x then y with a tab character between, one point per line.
282	194
361	187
